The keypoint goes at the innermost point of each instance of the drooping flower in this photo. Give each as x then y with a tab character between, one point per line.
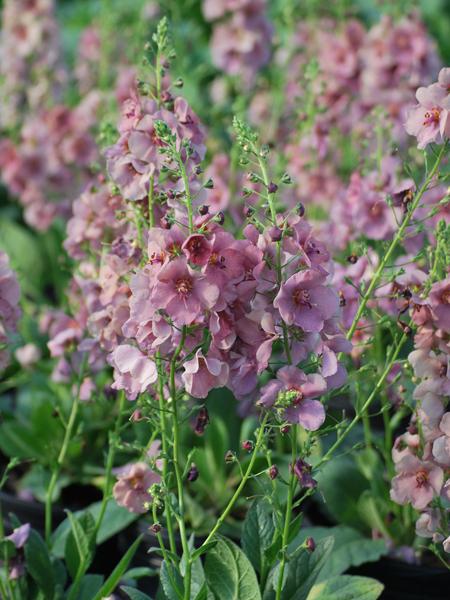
132	488
133	371
203	373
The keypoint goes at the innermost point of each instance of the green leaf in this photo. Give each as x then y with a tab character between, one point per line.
258	532
229	573
171	582
346	587
111	583
116	518
38	564
350	549
370	510
303	571
135	594
17	439
80	543
341	484
89	586
140	572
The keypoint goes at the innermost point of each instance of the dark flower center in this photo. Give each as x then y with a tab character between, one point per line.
302	297
183	285
445	297
432	116
421	477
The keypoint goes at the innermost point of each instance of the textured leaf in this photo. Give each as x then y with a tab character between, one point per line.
350	549
346	587
134	594
80	544
229	573
116	518
171	582
302	572
38	564
258	532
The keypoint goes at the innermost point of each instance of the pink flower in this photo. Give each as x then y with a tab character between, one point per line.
440	304
132	488
429	121
417	482
133	371
28	355
305	302
299	389
202	374
183	292
197	249
441	445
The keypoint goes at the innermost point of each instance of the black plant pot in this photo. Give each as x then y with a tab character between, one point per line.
404	581
33	512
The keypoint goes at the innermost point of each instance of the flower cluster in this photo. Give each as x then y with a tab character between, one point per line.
241	40
422	454
51	163
9	307
31	70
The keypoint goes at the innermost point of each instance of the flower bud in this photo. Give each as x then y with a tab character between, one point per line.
300	209
204	209
229	457
193	473
220	218
352	259
247	445
136	416
286	179
285	429
209	184
275	234
248	211
310	544
155	528
202	421
178	83
272	188
273	472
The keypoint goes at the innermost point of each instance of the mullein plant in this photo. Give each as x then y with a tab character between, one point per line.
178	304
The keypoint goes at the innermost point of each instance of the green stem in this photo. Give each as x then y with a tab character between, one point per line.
110	462
240	487
326	457
62	455
187	192
273	214
288	515
177	468
165	449
397	239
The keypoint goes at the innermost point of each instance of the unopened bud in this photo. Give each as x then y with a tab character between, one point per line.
220	218
204	209
193	473
136	416
352	259
272	187
209	184
202	421
300	209
247	445
229	457
310	544
285	429
155	528
275	234
273	472
248	211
